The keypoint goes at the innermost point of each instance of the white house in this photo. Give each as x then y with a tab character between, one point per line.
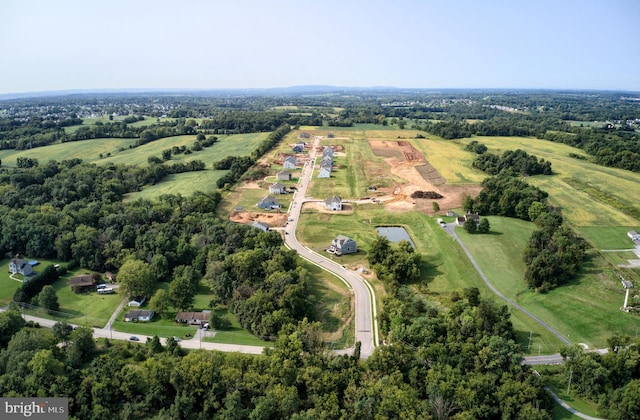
324	171
342	245
278	188
138	315
17	265
327	151
283	176
262	226
333	203
290	163
269	203
137	301
635	236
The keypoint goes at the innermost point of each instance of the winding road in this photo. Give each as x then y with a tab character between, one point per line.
366	329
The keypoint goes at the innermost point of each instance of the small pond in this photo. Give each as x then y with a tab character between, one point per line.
395	234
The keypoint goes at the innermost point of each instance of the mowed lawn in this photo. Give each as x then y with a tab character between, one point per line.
445	266
184	184
585	311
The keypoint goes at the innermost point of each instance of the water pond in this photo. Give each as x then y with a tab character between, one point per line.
395	234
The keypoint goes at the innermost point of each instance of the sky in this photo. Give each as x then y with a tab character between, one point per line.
218	44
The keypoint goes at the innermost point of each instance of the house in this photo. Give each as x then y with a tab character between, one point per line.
468	216
635	236
283	176
277	188
137	301
327	151
262	226
324	171
333	203
342	245
138	315
298	148
327	160
193	318
82	282
290	163
304	135
330	135
452	214
19	266
269	203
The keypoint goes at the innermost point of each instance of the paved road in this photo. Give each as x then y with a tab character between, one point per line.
366	329
450	229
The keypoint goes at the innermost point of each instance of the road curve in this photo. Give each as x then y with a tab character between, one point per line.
450	229
366	329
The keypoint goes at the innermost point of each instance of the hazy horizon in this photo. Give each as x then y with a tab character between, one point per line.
250	44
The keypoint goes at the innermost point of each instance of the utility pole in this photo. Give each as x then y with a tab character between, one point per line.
570	376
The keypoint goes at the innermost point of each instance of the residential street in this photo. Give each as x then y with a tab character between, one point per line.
366	328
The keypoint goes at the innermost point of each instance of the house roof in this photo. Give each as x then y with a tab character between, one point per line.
278	186
82	280
139	313
334	199
260	225
284	173
269	199
191	316
19	262
341	239
290	159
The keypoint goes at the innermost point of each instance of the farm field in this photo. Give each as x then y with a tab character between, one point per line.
184	184
87	150
578	207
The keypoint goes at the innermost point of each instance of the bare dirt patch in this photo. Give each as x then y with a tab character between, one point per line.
246	217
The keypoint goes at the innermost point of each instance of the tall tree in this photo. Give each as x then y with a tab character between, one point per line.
48	298
136	278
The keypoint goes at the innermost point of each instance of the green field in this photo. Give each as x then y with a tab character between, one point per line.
445	266
578	207
88	308
184	184
586	311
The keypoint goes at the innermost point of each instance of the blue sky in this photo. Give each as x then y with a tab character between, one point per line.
87	44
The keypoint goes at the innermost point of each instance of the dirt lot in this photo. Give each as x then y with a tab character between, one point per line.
402	159
273	219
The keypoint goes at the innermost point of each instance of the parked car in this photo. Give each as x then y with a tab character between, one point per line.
134	338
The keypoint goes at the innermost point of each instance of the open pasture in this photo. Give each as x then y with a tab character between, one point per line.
184	184
587	310
87	150
578	207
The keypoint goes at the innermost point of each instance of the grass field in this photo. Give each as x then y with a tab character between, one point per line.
587	310
89	309
578	207
445	266
184	184
87	150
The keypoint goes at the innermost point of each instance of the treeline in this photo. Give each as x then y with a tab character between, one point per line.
553	254
394	265
34	285
458	363
610	380
517	161
505	195
239	165
262	284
